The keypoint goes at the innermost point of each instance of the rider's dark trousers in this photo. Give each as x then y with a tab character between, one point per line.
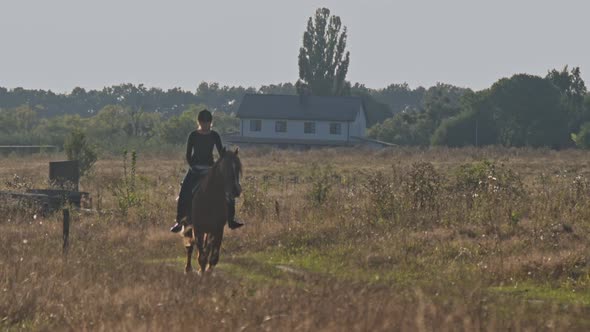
188	183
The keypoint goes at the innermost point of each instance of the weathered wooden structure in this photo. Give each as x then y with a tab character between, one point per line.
64	178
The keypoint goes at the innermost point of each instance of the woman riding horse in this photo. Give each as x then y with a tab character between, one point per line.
209	211
199	155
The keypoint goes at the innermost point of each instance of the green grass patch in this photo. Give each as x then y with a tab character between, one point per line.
254	271
257	271
532	291
24	325
335	262
176	260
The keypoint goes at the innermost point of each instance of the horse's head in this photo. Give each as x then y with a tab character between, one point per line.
231	167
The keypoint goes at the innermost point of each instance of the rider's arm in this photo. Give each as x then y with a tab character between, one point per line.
189	149
218	143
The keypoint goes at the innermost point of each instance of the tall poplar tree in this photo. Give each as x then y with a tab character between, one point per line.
323	62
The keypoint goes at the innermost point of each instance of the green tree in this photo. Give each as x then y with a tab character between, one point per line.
54	130
23	118
399	96
225	123
570	84
415	126
323	62
177	128
376	111
523	110
225	99
442	101
17	124
278	89
405	128
582	138
78	148
573	91
109	122
528	112
474	125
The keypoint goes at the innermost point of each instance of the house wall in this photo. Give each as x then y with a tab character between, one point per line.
295	130
359	126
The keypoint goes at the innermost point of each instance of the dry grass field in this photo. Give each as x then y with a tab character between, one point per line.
336	239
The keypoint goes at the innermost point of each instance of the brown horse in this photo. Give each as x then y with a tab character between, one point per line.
209	210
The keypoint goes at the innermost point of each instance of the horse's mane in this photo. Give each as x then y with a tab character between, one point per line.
217	167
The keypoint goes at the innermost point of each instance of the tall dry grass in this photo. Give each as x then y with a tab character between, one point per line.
337	239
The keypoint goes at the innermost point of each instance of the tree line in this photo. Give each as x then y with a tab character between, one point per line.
128	113
523	110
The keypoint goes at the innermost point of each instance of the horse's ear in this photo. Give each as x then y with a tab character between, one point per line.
237	150
223	150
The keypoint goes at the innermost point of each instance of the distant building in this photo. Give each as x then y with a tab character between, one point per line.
286	120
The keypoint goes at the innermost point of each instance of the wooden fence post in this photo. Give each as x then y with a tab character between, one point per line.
66	229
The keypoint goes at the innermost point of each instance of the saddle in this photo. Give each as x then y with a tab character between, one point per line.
200	171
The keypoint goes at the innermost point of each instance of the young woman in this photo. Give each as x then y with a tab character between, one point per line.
199	156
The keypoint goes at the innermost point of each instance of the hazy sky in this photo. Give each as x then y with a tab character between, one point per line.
61	44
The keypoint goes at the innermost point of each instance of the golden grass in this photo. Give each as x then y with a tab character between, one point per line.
303	266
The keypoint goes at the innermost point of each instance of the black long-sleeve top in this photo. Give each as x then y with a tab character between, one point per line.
199	148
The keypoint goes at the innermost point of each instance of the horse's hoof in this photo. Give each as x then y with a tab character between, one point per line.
188	270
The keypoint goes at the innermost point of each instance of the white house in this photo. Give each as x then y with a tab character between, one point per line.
300	120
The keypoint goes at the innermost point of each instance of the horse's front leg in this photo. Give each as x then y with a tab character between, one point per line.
188	239
189	252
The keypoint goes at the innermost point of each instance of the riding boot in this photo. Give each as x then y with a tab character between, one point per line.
183	199
232	223
176	228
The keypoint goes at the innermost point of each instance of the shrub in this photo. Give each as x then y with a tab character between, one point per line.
423	185
380	197
321	183
487	178
582	138
125	190
78	148
492	193
255	199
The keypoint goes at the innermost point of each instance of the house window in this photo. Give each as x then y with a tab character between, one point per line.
335	128
281	126
255	125
309	127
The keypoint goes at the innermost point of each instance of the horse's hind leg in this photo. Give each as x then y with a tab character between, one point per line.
215	249
189	251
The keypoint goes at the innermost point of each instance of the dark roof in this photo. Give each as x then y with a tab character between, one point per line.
259	106
274	140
